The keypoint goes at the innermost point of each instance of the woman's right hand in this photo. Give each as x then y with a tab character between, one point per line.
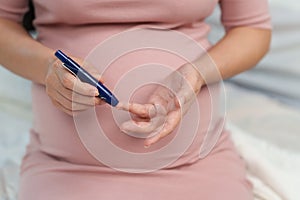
68	93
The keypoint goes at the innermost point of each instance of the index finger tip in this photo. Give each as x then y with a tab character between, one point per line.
122	106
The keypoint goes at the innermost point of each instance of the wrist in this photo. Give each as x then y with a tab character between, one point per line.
190	72
208	70
199	76
49	60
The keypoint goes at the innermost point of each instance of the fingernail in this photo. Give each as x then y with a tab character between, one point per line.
101	80
97	101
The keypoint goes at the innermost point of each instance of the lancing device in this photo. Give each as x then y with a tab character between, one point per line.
84	76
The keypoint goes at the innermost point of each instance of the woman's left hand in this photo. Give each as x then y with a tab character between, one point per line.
166	106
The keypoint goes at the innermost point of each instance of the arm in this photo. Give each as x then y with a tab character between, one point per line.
30	59
21	54
239	50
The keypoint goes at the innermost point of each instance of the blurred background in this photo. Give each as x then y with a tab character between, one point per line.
263	103
266	100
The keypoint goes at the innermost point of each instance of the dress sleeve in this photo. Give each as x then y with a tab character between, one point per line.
253	13
13	9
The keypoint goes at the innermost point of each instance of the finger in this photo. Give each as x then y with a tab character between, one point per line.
141	110
66	103
69	81
139	119
91	101
171	123
75	97
93	71
143	127
56	91
99	101
96	75
65	110
89	68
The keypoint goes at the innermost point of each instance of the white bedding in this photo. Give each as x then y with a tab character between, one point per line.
267	135
274	172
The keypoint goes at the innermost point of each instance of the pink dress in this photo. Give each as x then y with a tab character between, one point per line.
57	166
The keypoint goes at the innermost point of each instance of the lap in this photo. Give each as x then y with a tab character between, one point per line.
221	175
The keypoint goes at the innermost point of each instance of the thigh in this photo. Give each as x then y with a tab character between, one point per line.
219	176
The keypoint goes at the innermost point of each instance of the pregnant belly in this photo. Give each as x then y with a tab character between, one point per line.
94	137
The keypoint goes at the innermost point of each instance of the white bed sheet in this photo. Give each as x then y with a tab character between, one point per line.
267	134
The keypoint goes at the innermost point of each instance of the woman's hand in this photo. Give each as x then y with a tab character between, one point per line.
68	93
166	106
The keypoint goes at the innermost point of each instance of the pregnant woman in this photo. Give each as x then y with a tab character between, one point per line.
58	166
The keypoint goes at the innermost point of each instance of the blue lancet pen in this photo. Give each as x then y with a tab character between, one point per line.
104	93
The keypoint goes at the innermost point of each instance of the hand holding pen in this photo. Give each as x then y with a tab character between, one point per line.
67	93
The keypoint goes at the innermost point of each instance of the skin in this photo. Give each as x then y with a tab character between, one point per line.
40	65
67	92
239	50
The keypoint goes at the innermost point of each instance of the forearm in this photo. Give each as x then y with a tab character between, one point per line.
21	54
239	50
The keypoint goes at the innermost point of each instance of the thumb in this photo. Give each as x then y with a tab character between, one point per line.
93	71
97	76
